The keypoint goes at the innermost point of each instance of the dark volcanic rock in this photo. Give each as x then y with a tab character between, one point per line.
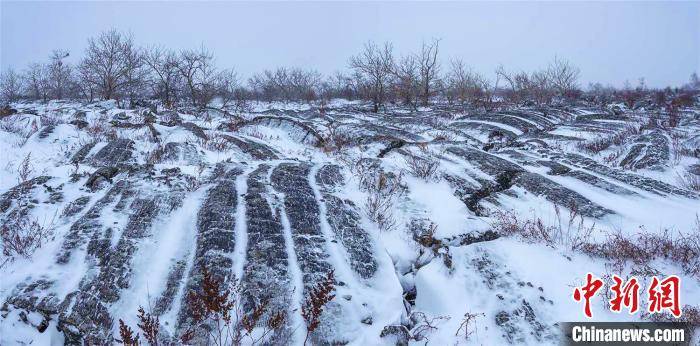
86	226
177	152
165	301
76	206
85	314
265	276
46	131
344	219
196	130
20	193
301	208
114	153
635	180
102	174
651	151
534	183
80	155
257	151
215	238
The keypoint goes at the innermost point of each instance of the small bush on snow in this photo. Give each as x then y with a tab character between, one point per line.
424	166
573	234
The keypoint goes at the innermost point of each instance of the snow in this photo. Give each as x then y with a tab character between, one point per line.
443	293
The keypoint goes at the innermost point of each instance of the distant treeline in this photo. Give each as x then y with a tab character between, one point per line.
113	67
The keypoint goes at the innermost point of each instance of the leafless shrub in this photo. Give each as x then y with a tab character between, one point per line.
192	183
11	127
691	316
572	233
215	142
100	130
424	167
444	136
423	233
644	247
382	191
423	325
254	131
51	119
213	305
155	155
127	335
468	322
679	149
149	325
25	169
318	297
211	309
337	139
466	86
287	84
611	158
688	181
22	236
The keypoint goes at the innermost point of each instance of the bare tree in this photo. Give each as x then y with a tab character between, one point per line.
540	87
564	77
37	82
518	83
10	86
305	84
231	92
537	87
467	86
373	65
630	95
287	84
60	73
338	85
163	64
107	65
600	94
694	82
407	83
199	75
429	68
88	88
136	73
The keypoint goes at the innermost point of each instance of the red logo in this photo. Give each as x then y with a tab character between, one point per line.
663	295
589	290
627	295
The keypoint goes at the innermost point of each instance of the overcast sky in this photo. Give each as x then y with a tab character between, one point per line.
610	42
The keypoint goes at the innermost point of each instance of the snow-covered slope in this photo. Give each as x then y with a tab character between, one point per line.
410	211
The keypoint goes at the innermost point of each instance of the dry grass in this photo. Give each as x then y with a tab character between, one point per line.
383	189
215	142
22	236
644	247
424	166
572	234
688	181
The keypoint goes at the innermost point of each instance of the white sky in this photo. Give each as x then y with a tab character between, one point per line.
610	42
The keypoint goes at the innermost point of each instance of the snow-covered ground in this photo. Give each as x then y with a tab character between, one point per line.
136	203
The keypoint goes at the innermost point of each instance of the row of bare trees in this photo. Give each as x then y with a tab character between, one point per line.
114	67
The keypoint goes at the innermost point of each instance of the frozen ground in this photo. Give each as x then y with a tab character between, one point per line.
136	202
